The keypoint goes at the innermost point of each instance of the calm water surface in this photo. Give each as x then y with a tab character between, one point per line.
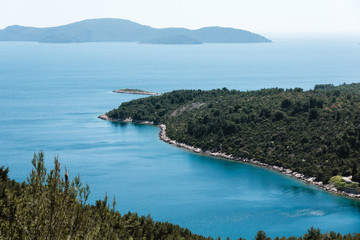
51	95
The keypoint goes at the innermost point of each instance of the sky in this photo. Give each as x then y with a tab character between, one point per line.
262	16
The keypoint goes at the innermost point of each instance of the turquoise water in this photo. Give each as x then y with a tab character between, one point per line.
51	95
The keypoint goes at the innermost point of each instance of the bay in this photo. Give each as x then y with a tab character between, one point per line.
51	95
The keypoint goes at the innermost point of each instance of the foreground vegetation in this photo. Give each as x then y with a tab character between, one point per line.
50	206
316	132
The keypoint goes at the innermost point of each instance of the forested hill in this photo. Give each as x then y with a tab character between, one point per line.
315	132
121	30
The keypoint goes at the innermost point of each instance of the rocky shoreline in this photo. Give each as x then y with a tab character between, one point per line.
288	172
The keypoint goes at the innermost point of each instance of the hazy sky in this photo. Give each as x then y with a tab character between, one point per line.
254	15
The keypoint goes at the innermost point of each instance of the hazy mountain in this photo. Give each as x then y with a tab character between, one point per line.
119	30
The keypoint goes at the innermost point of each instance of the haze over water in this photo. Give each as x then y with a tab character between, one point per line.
51	95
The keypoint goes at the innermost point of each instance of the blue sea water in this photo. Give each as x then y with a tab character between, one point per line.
51	95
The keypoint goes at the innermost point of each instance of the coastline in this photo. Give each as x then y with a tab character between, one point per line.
288	172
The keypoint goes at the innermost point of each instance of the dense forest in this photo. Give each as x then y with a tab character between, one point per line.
315	132
51	206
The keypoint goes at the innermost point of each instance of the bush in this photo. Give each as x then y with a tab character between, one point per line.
340	183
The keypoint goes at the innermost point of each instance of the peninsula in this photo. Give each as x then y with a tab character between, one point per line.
311	135
135	91
121	30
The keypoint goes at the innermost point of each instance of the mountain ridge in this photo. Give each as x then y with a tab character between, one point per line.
122	30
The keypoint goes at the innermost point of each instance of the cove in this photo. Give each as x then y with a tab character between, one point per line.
221	197
51	95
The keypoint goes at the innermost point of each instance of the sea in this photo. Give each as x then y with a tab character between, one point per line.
52	94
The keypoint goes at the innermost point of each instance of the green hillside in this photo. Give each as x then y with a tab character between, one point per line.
315	132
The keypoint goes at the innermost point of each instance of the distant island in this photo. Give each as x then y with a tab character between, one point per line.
311	135
120	30
135	91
